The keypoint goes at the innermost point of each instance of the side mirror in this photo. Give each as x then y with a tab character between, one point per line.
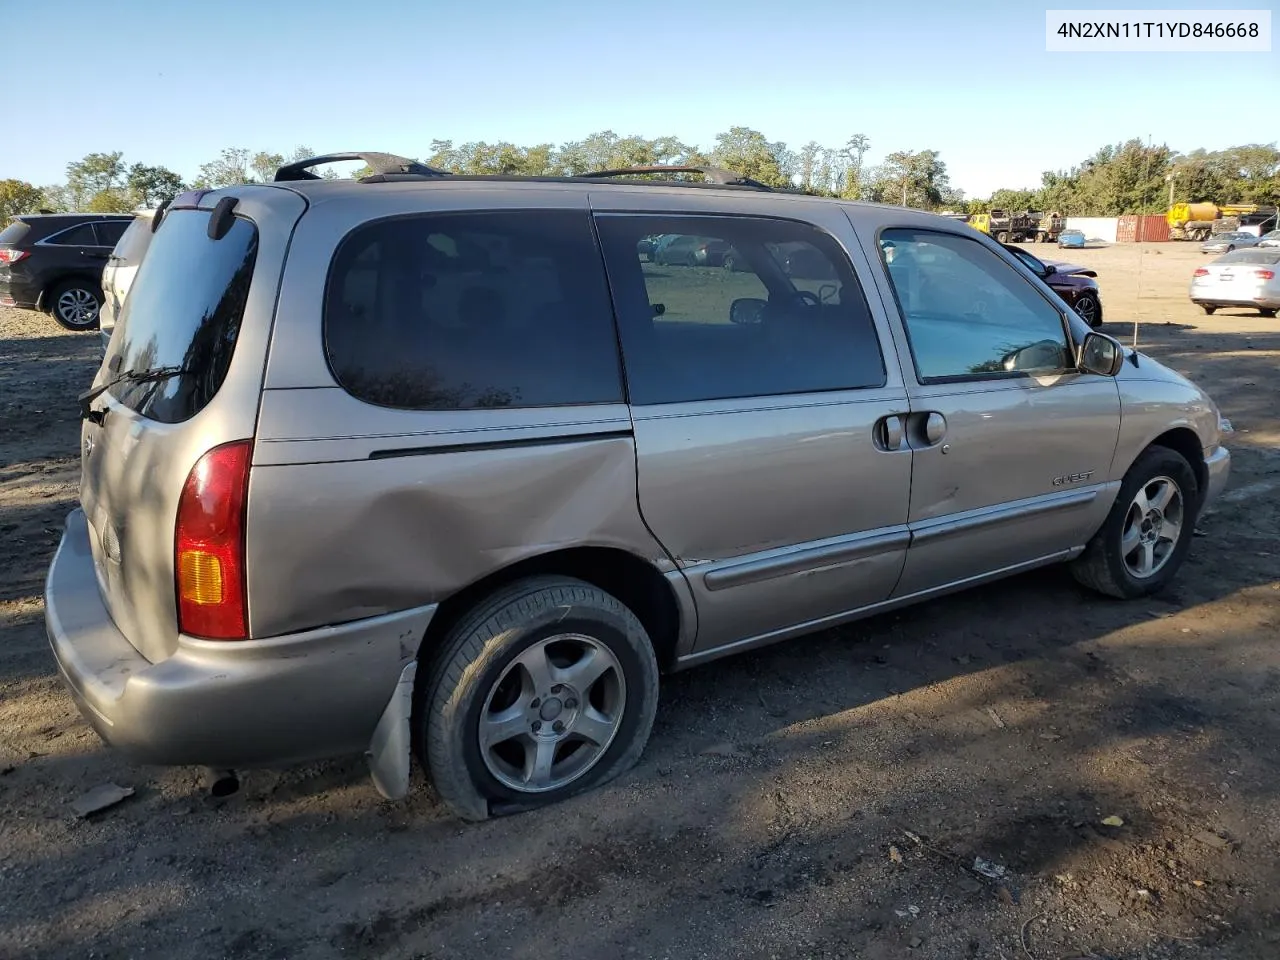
1049	270
747	310
1100	354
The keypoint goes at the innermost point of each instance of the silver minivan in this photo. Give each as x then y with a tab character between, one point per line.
445	466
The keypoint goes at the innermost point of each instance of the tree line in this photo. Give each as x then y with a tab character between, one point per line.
1124	178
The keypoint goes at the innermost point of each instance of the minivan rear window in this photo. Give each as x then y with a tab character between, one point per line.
183	314
134	243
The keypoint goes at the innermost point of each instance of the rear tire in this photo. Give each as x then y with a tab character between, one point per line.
1002	236
1208	309
1116	561
1268	313
76	304
493	740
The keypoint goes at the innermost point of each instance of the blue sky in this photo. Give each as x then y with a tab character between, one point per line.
176	82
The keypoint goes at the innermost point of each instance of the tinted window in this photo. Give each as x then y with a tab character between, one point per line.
110	231
723	307
967	312
79	236
183	313
473	310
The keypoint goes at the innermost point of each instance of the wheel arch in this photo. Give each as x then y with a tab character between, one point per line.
636	582
57	280
1185	441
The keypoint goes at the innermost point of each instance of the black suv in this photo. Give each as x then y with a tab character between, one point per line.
54	261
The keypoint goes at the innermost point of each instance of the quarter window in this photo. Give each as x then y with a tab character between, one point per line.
716	308
968	313
78	236
473	310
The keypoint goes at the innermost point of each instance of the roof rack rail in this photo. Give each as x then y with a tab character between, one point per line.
382	165
717	175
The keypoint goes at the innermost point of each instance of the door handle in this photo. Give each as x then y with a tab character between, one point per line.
935	428
889	433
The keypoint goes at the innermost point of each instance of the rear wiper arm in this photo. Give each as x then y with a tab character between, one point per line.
130	376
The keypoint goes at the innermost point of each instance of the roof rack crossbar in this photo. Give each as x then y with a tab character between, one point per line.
717	175
380	163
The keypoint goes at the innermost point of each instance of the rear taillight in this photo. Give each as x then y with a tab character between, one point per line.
1265	274
1200	272
209	554
13	256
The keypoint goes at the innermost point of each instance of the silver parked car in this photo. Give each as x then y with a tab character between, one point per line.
1270	239
121	268
1242	278
442	465
1226	242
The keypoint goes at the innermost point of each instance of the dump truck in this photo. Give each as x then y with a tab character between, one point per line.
1199	221
1005	226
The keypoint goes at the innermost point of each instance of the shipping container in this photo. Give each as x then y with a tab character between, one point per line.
1153	228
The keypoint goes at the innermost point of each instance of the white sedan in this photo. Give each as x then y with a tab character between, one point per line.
1242	278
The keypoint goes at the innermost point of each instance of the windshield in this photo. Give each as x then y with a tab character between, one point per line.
183	311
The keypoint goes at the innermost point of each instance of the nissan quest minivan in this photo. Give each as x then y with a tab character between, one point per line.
440	466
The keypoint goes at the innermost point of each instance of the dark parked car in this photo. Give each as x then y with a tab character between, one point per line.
690	251
53	262
1072	282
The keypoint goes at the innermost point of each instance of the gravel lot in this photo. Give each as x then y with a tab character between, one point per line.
823	798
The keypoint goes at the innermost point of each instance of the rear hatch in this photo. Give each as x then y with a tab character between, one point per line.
1238	276
181	375
10	236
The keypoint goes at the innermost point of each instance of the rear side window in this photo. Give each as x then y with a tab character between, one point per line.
78	236
183	315
14	232
471	311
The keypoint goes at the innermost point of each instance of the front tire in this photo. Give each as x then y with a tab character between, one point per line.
1268	313
1148	532
1090	310
1208	309
545	690
76	304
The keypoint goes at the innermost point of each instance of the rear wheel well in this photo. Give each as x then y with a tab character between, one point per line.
1185	441
633	581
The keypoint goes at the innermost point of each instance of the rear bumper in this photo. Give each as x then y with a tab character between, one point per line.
1210	300
15	293
1219	466
225	704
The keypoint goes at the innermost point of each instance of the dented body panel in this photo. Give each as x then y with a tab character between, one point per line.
764	516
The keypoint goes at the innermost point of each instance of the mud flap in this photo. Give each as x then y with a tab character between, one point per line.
389	754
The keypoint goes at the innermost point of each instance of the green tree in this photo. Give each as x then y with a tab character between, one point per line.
17	196
854	150
749	153
913	179
151	186
231	167
111	200
93	175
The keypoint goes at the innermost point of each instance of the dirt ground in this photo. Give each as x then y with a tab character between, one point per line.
823	798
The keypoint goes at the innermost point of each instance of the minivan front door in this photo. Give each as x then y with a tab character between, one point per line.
764	412
1012	445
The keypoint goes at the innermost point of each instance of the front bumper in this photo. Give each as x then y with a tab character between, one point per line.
223	703
1218	463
